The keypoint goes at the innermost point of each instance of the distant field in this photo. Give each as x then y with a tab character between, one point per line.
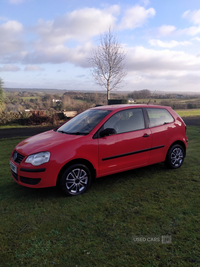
167	100
29	97
146	101
188	112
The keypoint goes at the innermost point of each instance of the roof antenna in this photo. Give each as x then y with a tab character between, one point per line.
151	97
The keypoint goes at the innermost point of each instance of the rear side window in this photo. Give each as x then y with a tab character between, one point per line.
159	116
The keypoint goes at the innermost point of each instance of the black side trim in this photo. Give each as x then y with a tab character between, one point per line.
33	170
132	153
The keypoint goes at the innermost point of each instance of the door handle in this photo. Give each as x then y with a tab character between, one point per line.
146	135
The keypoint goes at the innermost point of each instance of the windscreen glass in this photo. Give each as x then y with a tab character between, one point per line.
84	123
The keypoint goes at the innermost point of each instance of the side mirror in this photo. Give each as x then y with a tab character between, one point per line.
107	132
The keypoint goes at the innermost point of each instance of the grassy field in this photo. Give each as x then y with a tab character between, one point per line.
158	101
188	112
30	97
42	227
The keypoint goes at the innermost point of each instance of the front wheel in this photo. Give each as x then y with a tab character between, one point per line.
75	180
175	157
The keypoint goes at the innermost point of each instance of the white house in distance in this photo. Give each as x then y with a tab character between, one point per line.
56	100
130	100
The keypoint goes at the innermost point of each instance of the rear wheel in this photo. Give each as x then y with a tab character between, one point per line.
75	180
175	157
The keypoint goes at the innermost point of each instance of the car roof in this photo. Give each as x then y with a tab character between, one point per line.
128	106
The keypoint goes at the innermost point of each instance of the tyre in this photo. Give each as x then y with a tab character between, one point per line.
175	157
75	180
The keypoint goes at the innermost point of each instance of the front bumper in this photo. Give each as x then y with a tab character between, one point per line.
33	177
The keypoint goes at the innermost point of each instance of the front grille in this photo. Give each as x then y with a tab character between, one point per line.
17	157
31	181
15	176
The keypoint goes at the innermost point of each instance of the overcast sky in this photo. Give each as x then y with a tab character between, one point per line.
47	43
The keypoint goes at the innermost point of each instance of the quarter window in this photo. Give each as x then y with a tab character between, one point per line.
126	121
158	116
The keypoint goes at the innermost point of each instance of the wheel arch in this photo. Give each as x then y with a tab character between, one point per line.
78	161
178	142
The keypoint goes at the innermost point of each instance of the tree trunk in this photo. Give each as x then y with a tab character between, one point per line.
108	91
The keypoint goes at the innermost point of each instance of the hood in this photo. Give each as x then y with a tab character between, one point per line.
44	142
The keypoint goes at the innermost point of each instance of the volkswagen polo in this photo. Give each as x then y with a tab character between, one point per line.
98	142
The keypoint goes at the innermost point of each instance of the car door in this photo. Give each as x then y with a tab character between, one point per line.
129	147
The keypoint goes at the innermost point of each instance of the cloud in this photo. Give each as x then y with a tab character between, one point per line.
33	68
4	18
193	16
170	44
9	67
166	29
135	17
80	76
194	30
16	2
196	39
78	25
162	70
11	26
149	60
114	10
52	39
60	54
145	2
11	37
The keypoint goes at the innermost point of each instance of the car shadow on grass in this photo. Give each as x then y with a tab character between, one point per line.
136	174
16	191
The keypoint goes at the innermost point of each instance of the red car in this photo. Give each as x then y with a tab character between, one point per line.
98	142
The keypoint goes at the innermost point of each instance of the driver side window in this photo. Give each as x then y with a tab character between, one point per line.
126	121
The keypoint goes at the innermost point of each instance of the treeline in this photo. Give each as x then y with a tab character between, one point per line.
24	100
19	101
23	107
145	93
33	108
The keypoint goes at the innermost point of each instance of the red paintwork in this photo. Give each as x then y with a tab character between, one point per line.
65	148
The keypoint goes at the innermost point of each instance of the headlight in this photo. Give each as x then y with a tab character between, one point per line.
38	159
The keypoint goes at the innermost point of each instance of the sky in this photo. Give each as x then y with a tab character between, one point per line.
47	43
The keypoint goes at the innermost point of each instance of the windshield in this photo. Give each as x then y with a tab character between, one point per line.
83	123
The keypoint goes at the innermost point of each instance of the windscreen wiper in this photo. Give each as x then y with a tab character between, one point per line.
62	132
74	133
77	133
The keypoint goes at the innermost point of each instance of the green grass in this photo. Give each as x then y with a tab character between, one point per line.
153	101
188	112
30	97
12	126
41	227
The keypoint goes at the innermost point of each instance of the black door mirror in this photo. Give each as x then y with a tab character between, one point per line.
107	132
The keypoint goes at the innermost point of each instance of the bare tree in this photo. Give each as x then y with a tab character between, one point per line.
108	63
